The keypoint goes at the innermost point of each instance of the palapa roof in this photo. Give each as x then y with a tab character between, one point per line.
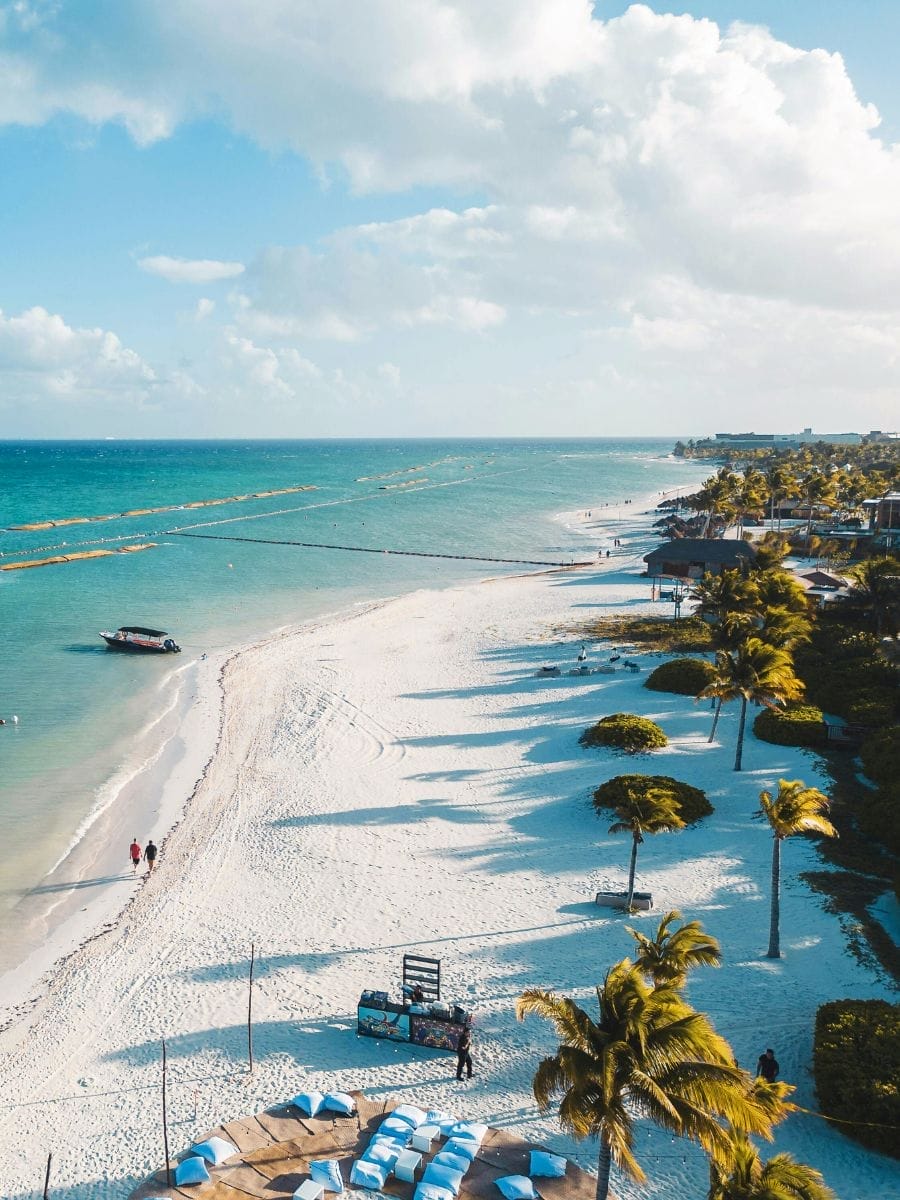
275	1148
703	550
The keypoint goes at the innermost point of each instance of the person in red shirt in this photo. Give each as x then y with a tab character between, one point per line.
135	851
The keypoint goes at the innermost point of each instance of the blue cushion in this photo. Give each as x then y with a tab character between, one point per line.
443	1177
309	1102
369	1175
192	1170
431	1191
215	1150
462	1148
549	1166
339	1102
443	1121
456	1162
385	1153
396	1127
411	1113
517	1187
327	1171
469	1130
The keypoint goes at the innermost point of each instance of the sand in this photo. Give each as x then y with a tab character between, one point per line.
397	779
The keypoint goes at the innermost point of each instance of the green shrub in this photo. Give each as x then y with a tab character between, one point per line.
878	814
856	1057
684	676
880	755
692	802
625	731
793	725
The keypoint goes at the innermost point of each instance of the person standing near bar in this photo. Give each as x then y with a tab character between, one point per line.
464	1053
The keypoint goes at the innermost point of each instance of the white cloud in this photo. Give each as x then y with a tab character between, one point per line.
205	308
667	205
190	270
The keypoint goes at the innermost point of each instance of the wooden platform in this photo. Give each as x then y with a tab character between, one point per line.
275	1147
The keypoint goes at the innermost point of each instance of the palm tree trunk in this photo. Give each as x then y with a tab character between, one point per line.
740	742
634	846
712	732
603	1169
774	950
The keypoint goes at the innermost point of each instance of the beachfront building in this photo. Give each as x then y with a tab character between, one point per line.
691	558
777	441
884	519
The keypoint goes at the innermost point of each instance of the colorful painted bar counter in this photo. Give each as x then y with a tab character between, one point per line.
438	1026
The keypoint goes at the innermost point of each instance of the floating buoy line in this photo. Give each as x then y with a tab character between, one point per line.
75	555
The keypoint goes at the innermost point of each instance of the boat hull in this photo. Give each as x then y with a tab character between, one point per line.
132	644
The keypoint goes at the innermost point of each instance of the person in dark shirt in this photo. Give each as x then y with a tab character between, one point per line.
150	856
464	1054
767	1067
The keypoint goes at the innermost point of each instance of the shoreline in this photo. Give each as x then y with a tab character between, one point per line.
111	888
398	778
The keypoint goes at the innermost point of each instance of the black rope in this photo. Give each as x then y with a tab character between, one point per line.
526	562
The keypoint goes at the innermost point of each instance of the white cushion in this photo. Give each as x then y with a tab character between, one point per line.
385	1153
463	1147
327	1171
369	1175
517	1187
191	1170
309	1102
431	1191
470	1131
545	1165
456	1162
340	1102
443	1177
215	1150
411	1113
396	1127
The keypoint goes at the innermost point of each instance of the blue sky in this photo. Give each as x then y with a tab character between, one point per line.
446	218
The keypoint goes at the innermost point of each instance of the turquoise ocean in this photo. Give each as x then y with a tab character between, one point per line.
80	706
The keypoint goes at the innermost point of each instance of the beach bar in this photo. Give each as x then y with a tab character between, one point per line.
419	1017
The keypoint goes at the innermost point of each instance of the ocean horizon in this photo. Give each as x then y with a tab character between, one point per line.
90	720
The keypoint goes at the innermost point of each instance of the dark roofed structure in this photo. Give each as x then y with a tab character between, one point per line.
689	558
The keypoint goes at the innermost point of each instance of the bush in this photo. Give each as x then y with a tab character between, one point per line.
793	725
880	755
692	802
625	731
684	676
856	1057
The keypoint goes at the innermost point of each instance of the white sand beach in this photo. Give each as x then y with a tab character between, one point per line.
397	779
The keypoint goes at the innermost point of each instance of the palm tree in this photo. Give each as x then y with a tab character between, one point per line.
667	958
785	629
778	589
781	485
653	811
728	592
781	1178
648	1055
752	671
818	489
794	809
876	593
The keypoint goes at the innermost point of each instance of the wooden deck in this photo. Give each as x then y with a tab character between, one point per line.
275	1148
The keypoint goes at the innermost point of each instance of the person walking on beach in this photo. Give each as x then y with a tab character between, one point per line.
767	1067
464	1054
150	856
135	851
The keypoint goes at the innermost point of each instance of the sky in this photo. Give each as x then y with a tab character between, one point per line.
283	218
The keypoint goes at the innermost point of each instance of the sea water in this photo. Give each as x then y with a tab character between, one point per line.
81	708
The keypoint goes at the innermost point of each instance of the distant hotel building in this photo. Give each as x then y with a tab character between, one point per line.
790	441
